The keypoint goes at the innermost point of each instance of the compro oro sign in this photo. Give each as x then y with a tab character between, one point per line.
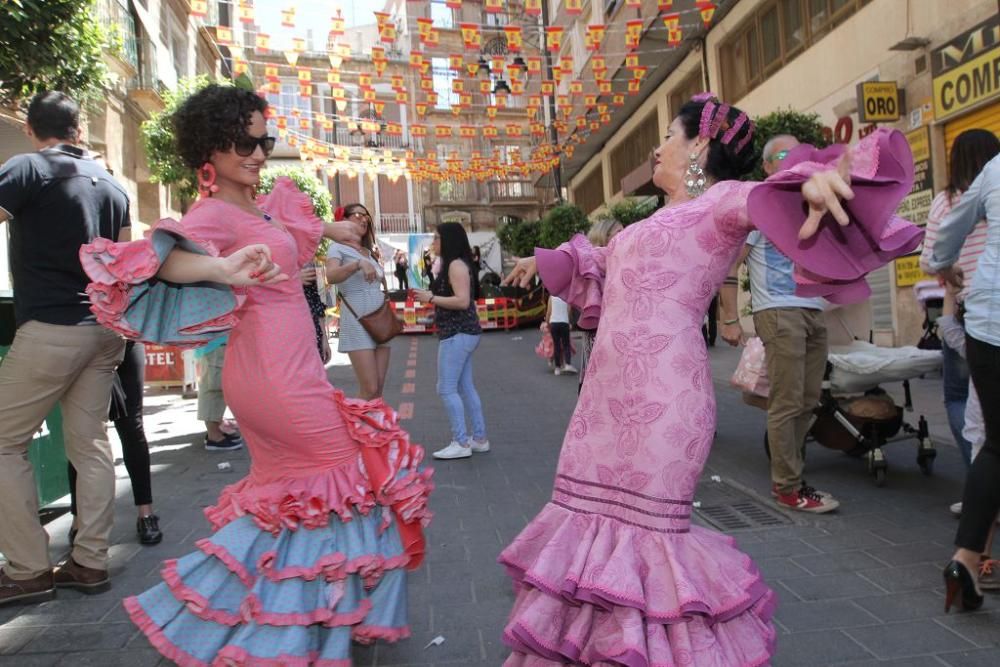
966	70
879	102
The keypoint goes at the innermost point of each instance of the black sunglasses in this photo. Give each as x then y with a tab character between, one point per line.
246	145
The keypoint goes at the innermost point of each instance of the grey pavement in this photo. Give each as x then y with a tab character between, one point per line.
859	587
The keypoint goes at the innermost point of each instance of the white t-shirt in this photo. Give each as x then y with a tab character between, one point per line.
560	310
772	278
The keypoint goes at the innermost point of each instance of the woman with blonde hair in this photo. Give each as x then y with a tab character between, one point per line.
358	274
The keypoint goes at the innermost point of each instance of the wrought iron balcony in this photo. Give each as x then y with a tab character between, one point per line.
512	191
399	223
119	29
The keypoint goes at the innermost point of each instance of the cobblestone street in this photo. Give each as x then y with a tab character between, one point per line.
859	587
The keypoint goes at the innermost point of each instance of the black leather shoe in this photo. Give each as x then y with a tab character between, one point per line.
959	583
148	528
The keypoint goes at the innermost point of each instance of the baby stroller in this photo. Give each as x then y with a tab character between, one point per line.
858	417
930	295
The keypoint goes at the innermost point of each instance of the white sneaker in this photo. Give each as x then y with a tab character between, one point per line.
569	368
454	451
479	446
956	508
557	371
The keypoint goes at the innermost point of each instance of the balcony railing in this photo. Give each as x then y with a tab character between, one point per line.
146	88
512	191
399	223
119	29
455	191
345	137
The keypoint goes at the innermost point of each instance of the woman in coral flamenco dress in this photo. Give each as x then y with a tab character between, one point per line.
611	571
310	550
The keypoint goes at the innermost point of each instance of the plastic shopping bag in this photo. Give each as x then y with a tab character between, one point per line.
546	347
751	372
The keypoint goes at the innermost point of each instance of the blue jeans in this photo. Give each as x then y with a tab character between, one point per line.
955	379
456	388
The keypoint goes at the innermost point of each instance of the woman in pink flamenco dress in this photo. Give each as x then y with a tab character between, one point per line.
611	571
310	550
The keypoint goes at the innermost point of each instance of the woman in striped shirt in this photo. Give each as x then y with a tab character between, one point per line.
970	152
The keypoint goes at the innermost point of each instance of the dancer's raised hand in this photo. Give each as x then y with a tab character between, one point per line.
823	192
522	273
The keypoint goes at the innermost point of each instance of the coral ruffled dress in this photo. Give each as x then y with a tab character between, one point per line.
611	571
310	550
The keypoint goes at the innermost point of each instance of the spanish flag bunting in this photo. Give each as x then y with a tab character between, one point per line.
465	100
467	131
394	129
534	64
513	130
595	36
402	97
602	108
199	9
433	38
534	101
304	124
472	68
471	36
381	18
490	131
581	122
533	7
380	66
590	100
515	38
335	60
537	129
559	74
442	131
515	72
344	50
573	7
324	122
453	4
532	112
562	101
633	86
365	79
633	32
304	74
416	59
497	65
421	108
457	85
387	33
639	72
576	87
224	35
516	87
241	67
566	64
426	83
598	64
281	122
604	87
455	62
501	99
633	4
246	11
298	45
337	92
672	23
493	6
664	5
553	37
618	100
548	87
271	72
288	17
262	42
605	118
707	11
418	130
337	25
485	87
425	69
631	61
368	95
379	107
397	81
305	90
432	98
378	53
291	56
424	26
491	112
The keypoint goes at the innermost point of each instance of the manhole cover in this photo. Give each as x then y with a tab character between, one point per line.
727	508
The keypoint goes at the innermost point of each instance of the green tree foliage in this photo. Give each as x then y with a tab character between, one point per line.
806	127
50	45
560	224
165	166
630	209
519	237
309	184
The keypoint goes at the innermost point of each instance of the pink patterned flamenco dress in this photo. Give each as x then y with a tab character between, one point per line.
310	550
611	571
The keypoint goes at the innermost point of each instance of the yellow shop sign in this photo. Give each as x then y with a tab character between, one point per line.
966	70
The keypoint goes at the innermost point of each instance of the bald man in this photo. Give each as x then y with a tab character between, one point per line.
794	336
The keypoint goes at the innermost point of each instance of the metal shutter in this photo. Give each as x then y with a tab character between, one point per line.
987	118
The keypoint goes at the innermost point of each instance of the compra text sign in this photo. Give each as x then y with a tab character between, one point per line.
966	70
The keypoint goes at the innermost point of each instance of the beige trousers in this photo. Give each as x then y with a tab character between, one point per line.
71	366
795	350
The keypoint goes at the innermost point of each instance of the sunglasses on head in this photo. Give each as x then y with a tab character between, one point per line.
246	145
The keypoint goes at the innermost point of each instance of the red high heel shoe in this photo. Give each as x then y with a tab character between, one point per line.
958	581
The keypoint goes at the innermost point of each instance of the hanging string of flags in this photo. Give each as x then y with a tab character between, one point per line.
527	91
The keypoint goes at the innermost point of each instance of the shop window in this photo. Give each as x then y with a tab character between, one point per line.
773	35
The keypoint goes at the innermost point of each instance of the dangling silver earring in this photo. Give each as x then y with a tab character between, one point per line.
694	177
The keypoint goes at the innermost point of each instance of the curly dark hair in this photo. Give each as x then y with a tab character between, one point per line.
724	162
212	119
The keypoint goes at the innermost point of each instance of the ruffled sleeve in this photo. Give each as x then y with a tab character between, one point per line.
126	296
833	263
294	209
574	272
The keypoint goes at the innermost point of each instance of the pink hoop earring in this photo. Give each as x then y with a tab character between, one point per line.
206	180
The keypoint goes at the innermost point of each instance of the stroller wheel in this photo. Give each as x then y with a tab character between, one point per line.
877	466
926	456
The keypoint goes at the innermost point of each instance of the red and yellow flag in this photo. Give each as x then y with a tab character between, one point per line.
336	25
533	7
262	42
246	11
199	8
673	24
633	32
456	61
664	5
471	37
707	11
553	37
515	38
595	36
493	6
573	7
288	17
416	59
534	64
